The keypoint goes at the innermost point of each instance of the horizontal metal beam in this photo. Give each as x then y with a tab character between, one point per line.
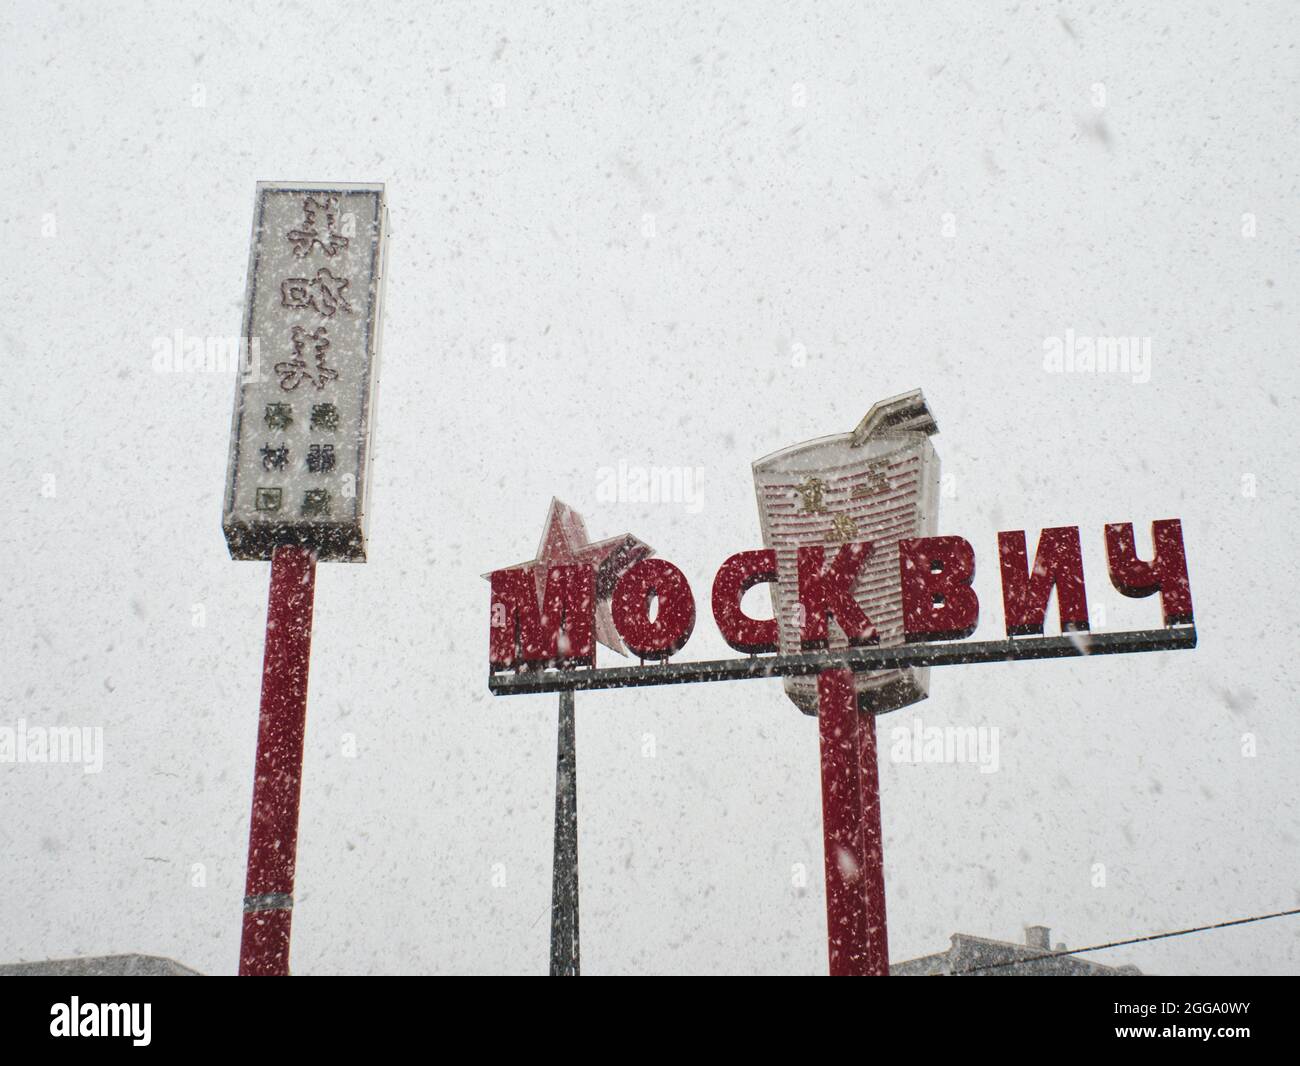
859	660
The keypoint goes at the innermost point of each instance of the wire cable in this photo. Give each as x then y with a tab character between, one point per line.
1131	940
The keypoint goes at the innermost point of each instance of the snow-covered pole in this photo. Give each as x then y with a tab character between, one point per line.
873	851
839	728
564	877
277	784
564	549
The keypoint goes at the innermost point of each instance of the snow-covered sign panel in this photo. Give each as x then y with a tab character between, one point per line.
300	439
877	486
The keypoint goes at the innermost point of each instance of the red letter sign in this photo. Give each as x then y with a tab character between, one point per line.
938	602
737	576
560	631
831	592
1058	564
672	625
1166	573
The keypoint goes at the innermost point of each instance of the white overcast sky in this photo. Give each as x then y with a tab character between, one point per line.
528	151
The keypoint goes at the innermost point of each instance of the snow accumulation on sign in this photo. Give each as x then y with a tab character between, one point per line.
300	439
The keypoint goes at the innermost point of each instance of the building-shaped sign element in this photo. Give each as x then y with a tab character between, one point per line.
878	484
299	468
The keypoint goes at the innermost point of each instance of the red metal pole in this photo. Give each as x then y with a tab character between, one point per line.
273	829
873	865
842	824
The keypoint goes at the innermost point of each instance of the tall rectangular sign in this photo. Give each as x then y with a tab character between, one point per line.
300	440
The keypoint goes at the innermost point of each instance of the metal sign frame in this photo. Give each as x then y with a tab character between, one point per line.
857	940
859	660
874	660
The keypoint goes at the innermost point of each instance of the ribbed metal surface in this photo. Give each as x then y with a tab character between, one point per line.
828	492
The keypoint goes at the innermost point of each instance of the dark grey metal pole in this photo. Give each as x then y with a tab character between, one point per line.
859	660
564	877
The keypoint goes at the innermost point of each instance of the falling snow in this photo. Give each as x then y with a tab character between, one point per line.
654	239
